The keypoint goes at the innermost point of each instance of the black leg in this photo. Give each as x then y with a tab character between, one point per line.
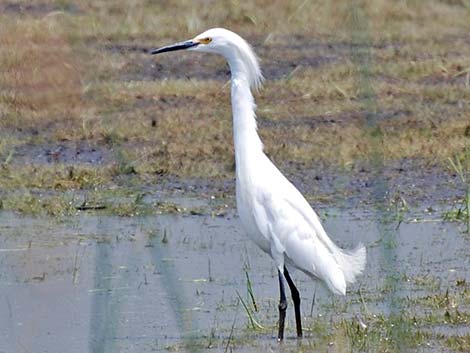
296	300
282	308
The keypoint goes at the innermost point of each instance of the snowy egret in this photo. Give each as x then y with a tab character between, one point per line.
273	212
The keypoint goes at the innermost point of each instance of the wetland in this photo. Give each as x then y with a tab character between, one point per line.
118	229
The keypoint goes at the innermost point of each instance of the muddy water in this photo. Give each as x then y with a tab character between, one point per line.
169	282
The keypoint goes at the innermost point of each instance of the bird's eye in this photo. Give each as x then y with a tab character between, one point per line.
206	40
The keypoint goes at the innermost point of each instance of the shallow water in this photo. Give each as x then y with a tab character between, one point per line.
146	284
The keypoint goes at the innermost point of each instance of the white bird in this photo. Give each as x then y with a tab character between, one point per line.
273	212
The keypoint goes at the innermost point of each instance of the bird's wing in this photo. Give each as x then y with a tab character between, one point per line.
287	208
285	217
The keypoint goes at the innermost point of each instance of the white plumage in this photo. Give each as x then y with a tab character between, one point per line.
273	212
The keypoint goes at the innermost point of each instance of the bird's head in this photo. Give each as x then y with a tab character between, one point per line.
234	48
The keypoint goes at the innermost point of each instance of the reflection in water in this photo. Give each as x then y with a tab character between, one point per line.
115	293
174	290
105	306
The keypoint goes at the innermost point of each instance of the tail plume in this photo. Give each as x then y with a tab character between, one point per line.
351	262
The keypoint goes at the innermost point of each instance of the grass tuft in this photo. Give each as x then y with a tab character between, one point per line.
461	166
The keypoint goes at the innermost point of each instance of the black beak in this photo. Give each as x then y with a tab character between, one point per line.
173	47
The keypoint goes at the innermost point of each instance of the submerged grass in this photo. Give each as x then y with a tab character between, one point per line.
254	324
461	166
459	343
249	289
404	331
34	204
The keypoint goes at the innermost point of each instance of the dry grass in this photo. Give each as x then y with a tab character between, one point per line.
41	77
76	71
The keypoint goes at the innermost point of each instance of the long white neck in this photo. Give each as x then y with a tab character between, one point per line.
245	135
